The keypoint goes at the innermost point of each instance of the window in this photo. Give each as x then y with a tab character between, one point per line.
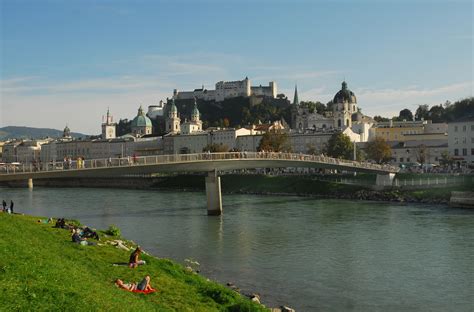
464	151
455	128
464	128
408	159
456	152
472	151
401	159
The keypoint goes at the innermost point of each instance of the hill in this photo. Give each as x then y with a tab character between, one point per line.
14	132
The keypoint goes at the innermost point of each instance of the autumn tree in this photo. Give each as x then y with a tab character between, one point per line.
275	141
339	145
379	150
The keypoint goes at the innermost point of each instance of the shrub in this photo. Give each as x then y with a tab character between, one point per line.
113	230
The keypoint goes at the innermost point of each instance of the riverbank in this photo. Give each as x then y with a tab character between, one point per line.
304	185
41	269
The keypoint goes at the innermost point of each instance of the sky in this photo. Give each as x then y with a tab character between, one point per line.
65	62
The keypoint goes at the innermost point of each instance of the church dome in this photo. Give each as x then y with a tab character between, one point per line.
141	120
345	95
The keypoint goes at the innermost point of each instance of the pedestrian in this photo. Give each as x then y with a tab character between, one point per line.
4	204
11	206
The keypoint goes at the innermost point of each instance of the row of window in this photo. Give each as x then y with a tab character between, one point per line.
464	140
464	152
464	128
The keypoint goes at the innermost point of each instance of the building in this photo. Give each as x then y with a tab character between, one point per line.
344	106
418	152
409	130
195	124
309	143
9	153
228	89
141	125
108	127
155	111
461	141
173	122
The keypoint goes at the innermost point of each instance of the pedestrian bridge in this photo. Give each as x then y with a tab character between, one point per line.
204	162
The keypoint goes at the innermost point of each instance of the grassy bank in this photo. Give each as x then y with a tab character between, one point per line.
42	270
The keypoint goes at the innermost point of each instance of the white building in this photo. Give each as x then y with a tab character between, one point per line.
108	127
195	124
228	89
461	141
155	111
418	152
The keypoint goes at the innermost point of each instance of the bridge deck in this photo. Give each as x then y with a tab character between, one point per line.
185	163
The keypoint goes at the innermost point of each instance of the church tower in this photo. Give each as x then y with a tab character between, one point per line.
173	122
344	105
294	109
108	127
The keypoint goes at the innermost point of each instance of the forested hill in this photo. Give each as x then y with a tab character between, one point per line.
13	132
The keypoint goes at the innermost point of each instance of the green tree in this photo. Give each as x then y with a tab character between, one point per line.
405	114
422	154
378	150
446	159
275	141
339	145
422	112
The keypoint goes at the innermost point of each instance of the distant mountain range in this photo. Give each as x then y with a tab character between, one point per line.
12	132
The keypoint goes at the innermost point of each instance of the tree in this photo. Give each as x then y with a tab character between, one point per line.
422	112
275	141
378	150
405	114
216	148
339	145
380	119
446	159
422	154
436	113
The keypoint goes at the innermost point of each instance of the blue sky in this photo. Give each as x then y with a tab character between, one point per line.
67	61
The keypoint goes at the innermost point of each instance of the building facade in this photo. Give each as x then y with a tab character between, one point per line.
228	89
461	141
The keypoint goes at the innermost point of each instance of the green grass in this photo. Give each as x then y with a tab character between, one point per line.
42	270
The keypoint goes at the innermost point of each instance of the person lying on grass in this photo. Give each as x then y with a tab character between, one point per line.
144	285
134	260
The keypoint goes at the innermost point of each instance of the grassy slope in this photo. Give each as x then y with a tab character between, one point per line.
41	269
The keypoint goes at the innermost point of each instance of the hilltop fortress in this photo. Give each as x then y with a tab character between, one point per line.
228	89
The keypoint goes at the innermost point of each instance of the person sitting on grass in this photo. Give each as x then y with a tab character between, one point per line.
76	238
144	285
134	261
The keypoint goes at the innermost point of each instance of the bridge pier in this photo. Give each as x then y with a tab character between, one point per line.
213	192
384	180
30	183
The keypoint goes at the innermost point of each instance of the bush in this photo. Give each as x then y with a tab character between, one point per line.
113	230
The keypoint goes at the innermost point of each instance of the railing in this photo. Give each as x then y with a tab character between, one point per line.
180	158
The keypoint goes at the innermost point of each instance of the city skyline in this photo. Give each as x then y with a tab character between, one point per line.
72	61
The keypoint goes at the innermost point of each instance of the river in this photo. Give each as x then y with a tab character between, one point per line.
309	254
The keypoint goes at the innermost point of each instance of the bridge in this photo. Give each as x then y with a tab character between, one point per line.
211	163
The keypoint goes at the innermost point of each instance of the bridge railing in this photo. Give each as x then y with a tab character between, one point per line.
80	164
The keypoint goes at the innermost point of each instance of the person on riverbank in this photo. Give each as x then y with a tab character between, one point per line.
134	260
11	206
143	285
76	238
4	204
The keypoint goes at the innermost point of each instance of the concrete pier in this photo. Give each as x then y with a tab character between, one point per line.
383	180
213	192
30	183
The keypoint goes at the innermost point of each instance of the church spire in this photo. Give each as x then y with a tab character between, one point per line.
296	102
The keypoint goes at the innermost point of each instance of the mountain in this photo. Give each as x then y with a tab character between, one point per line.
13	132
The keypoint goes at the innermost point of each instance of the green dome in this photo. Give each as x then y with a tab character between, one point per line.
173	108
345	95
141	120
